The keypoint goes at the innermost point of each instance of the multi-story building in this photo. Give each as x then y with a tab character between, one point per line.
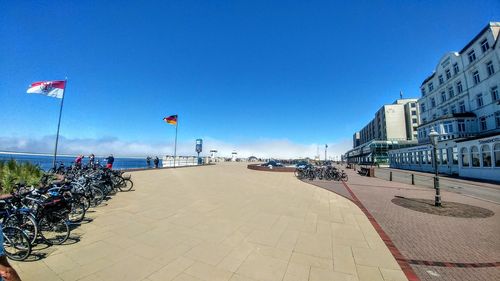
394	125
461	102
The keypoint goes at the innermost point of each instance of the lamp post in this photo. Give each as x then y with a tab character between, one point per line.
326	149
434	137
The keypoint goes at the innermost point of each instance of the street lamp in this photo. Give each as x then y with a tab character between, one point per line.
434	137
326	149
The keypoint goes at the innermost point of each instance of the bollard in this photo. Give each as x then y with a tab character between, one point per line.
390	176
412	179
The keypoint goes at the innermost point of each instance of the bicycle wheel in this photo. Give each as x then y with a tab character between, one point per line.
26	223
98	197
16	243
77	212
54	232
128	184
345	177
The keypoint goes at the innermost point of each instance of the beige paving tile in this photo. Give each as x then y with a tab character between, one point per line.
296	271
308	260
209	253
320	274
207	272
127	269
393	275
239	277
317	245
375	257
369	273
172	270
186	277
260	267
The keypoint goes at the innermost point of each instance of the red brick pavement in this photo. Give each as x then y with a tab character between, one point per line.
430	238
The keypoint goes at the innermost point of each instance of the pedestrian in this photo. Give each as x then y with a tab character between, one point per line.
92	161
7	273
110	162
148	161
156	161
78	161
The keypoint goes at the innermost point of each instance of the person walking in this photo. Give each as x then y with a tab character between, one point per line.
7	273
156	161
110	160
92	161
78	161
148	161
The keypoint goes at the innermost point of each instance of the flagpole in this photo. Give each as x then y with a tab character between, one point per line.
59	123
175	147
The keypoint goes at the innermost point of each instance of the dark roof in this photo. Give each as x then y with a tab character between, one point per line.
477	36
492	134
428	78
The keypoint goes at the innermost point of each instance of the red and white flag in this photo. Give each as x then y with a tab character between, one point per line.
53	89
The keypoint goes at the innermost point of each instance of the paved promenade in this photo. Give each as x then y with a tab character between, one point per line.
436	247
222	222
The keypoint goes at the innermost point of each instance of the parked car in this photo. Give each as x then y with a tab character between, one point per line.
302	164
271	164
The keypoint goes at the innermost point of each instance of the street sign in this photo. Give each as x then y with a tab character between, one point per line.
199	145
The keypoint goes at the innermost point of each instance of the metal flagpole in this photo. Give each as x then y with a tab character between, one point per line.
175	147
59	123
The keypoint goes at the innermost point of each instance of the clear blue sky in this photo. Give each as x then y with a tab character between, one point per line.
235	71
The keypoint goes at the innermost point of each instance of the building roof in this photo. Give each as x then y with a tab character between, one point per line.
486	28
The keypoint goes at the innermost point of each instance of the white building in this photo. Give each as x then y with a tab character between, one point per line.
461	102
394	125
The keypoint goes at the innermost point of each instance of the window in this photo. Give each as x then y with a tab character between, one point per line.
413	113
472	56
424	120
475	76
441	80
453	109
431	87
490	68
448	127
497	119
461	107
443	97
460	89
494	93
448	74
455	68
414	121
454	151
484	45
445	111
419	157
474	156
461	126
423	91
482	123
479	100
433	102
486	155
496	152
444	152
451	93
465	157
413	105
422	107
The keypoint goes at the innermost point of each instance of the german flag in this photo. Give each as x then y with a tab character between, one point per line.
172	119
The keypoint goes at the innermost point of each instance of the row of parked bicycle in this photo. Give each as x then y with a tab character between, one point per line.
47	214
311	172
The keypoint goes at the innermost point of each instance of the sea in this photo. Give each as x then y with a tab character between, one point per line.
44	161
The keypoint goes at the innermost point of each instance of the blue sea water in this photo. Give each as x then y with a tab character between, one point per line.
45	161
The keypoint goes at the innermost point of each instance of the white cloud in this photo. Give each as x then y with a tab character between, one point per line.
263	148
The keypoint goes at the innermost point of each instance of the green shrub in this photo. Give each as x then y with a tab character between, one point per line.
12	172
